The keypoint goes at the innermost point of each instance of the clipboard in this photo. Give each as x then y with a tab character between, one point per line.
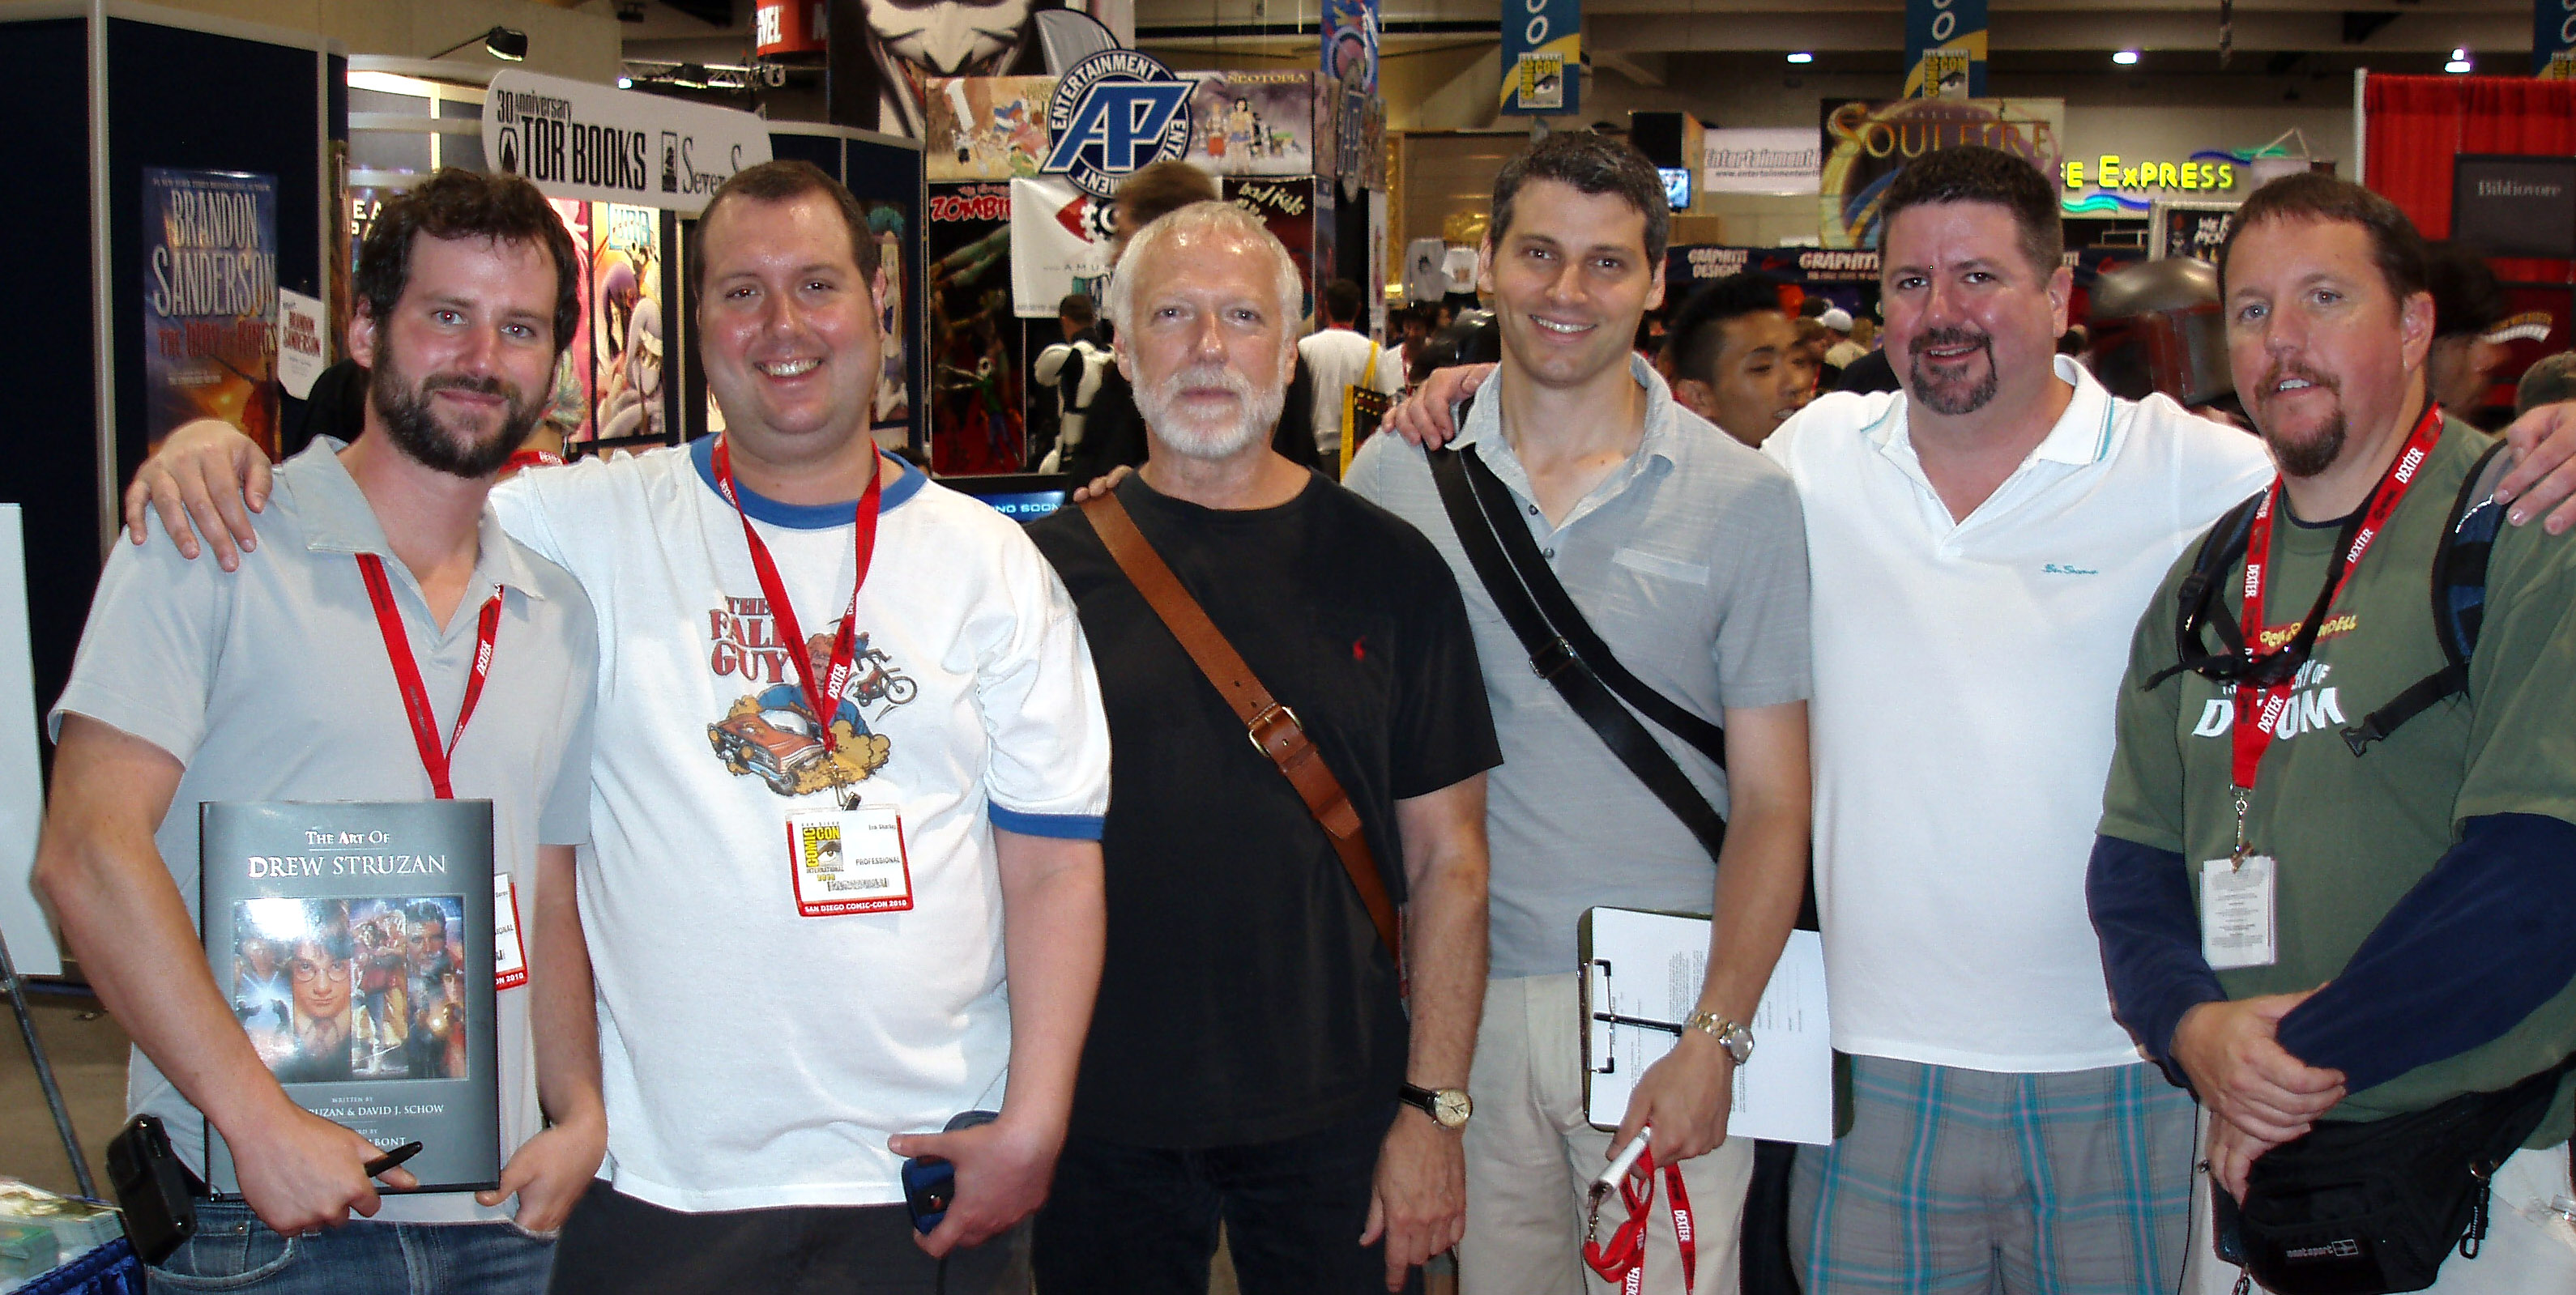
1641	979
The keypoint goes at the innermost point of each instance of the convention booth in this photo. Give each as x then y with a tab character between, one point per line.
1020	172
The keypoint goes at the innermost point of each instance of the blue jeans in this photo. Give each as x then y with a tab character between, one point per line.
234	1251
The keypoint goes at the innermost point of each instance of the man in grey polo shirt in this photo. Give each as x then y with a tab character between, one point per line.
1682	549
279	682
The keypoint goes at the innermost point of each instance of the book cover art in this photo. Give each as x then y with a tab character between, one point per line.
355	943
626	320
210	301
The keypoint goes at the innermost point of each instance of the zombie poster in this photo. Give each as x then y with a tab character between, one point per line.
1288	208
210	301
975	407
986	128
1253	123
625	313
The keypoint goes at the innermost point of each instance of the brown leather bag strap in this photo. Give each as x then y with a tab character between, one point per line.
1273	728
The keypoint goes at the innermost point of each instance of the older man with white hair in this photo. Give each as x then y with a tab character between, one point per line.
1251	1060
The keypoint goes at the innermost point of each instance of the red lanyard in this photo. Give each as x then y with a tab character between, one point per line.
821	694
1623	1260
2259	707
415	694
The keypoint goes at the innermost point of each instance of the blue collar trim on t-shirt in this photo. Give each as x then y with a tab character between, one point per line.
804	517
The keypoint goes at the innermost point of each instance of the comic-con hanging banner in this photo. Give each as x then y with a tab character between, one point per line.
1945	49
210	301
1542	57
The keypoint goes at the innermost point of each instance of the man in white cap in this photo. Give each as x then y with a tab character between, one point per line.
1844	352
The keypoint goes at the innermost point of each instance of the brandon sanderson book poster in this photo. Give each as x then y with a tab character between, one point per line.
210	301
354	943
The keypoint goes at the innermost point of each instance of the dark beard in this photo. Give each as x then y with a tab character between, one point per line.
2321	450
1920	386
409	423
2316	455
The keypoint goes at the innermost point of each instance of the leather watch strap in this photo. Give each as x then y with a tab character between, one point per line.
1273	728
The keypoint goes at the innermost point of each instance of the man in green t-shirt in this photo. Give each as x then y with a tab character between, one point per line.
2297	932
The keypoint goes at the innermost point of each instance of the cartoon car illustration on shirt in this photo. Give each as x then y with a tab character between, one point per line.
774	744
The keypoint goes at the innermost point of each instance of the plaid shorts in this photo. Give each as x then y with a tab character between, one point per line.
1966	1180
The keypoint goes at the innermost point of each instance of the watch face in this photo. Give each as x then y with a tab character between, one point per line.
1451	1107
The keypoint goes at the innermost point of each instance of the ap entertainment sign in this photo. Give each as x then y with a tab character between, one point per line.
582	141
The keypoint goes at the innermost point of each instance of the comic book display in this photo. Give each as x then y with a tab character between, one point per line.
625	313
356	943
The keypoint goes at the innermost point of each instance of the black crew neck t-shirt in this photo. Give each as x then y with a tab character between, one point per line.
1245	996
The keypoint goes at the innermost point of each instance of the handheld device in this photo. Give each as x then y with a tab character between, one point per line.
154	1191
930	1182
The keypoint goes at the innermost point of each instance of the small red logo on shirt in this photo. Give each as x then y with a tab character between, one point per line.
1359	648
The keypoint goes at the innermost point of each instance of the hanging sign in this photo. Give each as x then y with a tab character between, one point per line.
1542	57
1113	114
1762	159
588	142
787	27
1945	49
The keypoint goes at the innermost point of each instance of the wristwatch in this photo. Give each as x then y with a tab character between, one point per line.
1738	1040
1448	1107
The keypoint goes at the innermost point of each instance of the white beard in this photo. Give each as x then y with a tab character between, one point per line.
1199	439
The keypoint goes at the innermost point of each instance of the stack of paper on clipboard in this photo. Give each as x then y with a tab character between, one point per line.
1641	980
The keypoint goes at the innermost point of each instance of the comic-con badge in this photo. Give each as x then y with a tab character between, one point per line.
848	861
509	956
1115	113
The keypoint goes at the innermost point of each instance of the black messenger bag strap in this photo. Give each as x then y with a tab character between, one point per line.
1564	650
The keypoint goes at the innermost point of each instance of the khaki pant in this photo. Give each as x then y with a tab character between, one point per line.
1531	1156
2528	1249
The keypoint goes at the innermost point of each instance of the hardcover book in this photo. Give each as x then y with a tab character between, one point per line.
354	941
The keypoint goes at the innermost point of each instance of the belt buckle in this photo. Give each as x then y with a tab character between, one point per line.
1262	718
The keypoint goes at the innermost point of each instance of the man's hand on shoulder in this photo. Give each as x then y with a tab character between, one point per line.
1424	418
1003	1171
2543	479
1100	485
1419	1202
203	473
2244	1075
300	1172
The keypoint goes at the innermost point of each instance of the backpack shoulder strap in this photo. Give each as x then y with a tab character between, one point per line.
2459	600
2196	601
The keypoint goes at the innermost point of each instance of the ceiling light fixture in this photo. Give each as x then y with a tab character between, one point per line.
2125	58
508	44
1802	56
